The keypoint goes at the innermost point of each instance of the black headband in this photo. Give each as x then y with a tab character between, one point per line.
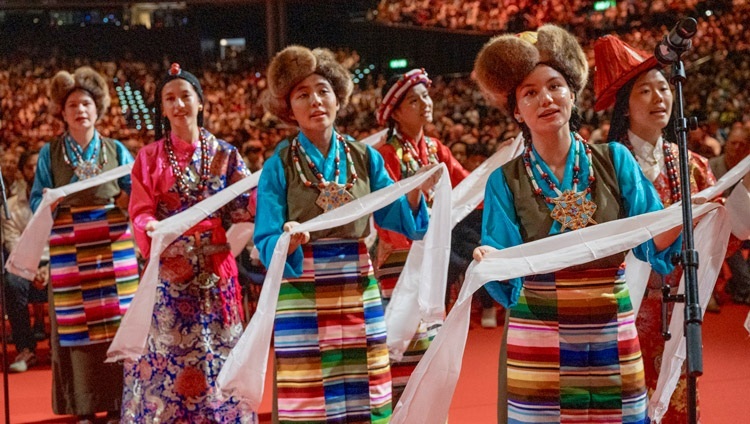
175	72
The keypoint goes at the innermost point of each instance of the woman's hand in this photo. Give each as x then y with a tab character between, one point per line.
122	200
296	239
480	252
54	204
151	226
414	195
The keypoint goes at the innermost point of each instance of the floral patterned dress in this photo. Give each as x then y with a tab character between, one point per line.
649	319
197	316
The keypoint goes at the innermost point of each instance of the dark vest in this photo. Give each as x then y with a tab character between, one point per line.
533	214
62	174
301	199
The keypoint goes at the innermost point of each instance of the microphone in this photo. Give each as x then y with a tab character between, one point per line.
676	42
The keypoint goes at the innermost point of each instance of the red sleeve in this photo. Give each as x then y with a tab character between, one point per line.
455	170
392	162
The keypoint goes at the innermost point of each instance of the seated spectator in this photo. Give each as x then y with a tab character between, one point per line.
20	291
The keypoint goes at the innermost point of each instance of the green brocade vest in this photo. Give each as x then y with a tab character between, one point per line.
301	199
62	173
534	220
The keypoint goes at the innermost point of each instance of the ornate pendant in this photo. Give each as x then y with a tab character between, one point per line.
572	210
332	196
86	170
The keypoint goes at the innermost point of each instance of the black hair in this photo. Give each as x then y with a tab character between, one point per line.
620	122
25	156
393	80
163	126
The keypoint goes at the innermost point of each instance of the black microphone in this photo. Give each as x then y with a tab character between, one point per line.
676	42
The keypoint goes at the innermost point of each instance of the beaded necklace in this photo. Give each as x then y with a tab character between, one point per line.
571	208
671	166
332	194
182	178
83	169
411	160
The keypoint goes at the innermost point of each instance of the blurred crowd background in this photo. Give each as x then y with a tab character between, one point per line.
233	79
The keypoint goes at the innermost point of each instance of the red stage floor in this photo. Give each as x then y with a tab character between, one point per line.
723	395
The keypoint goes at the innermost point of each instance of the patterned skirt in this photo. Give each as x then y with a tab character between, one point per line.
93	277
572	351
648	324
330	341
387	275
93	272
196	323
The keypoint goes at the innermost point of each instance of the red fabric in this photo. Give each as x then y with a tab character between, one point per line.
616	64
389	240
649	321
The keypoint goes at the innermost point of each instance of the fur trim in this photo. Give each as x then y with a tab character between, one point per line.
83	78
292	65
506	60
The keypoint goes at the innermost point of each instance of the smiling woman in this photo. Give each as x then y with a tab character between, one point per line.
196	320
405	109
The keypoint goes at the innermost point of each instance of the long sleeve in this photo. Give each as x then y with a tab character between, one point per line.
500	230
456	171
398	216
271	215
639	196
142	207
42	178
123	158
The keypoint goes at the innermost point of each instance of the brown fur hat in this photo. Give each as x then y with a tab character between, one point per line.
507	59
292	65
83	78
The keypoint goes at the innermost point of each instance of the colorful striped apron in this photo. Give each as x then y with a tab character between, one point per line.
572	351
330	339
387	275
93	272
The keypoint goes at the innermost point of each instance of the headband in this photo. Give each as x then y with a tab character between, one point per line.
398	91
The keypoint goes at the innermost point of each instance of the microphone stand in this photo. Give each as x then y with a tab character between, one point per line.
4	332
689	256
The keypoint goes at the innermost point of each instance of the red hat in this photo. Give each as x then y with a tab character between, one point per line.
616	64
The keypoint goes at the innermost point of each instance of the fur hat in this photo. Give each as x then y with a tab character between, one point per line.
295	63
507	59
83	78
616	64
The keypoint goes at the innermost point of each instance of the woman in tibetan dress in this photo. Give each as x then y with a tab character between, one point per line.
570	352
405	109
93	268
197	316
329	337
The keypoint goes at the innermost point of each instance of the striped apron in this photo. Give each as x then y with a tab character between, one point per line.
330	339
93	272
572	351
387	275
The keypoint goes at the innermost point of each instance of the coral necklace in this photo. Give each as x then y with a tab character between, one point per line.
182	178
571	208
670	163
332	194
411	160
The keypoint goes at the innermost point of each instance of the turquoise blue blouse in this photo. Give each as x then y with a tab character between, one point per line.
272	201
500	227
43	178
